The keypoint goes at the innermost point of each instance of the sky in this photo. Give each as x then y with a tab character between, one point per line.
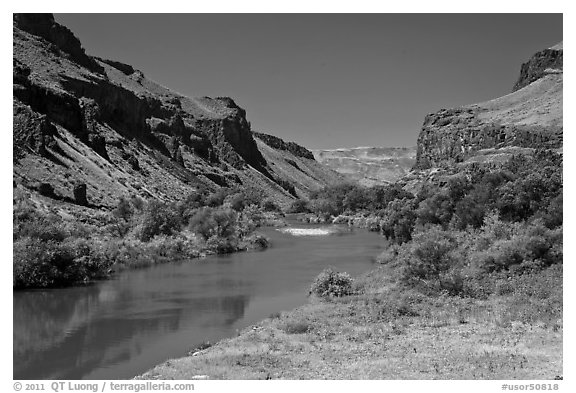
326	80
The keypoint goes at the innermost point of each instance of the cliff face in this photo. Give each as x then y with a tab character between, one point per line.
279	144
84	120
540	64
369	166
529	117
44	25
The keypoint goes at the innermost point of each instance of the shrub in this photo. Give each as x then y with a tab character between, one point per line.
553	213
217	198
332	284
138	203
299	206
256	242
398	220
220	245
118	228
202	224
429	255
43	226
531	247
42	264
237	202
380	196
157	219
39	263
195	200
225	221
270	206
123	210
325	207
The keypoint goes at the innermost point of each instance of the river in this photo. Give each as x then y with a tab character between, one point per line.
119	328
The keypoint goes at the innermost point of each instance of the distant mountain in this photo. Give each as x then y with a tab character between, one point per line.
86	123
528	118
369	166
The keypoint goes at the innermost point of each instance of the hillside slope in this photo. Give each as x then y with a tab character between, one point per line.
529	117
85	123
369	166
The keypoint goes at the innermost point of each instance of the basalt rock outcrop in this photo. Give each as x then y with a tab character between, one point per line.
529	117
80	119
542	63
63	40
277	143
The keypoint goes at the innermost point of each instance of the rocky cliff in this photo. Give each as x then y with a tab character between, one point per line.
82	120
542	63
529	117
369	166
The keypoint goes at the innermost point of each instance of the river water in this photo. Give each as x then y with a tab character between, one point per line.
119	328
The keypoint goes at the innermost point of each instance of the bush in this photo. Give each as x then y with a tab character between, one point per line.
217	198
43	264
157	219
201	223
237	202
325	207
123	210
299	206
256	242
398	220
332	284
209	222
270	206
220	245
226	221
429	255
43	226
531	247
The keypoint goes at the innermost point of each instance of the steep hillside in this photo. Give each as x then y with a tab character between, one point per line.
529	117
90	130
369	166
295	165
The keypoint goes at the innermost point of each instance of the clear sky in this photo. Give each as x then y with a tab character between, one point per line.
326	80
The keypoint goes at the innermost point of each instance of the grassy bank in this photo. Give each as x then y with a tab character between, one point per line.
470	287
55	246
386	332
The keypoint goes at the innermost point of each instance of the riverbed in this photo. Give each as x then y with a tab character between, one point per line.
119	328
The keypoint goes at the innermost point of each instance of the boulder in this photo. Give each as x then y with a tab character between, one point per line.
80	194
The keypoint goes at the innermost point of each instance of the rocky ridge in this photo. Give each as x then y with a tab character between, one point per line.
80	119
540	64
369	166
529	117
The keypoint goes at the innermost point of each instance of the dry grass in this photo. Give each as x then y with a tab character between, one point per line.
539	103
384	334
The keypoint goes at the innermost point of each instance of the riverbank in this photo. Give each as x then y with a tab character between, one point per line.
141	317
470	287
386	332
57	244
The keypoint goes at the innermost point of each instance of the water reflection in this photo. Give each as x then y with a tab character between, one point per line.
56	330
119	328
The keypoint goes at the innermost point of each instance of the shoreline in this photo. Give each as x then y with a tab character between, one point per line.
381	333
